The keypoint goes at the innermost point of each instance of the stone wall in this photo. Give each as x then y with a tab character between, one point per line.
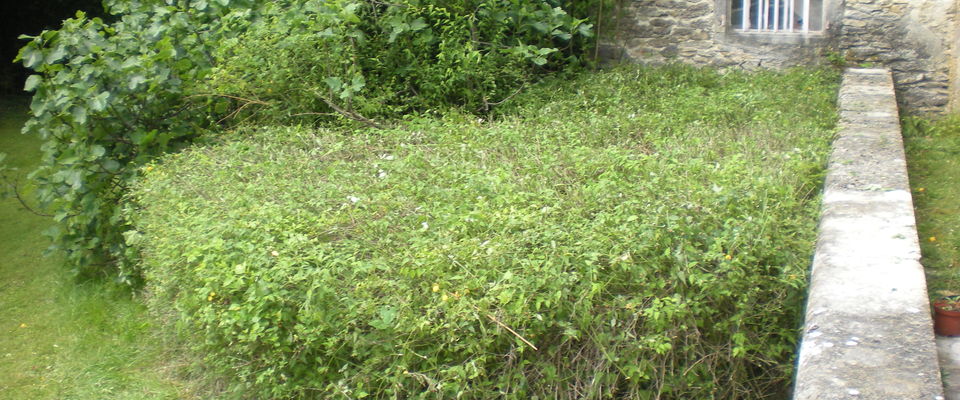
695	31
916	39
919	40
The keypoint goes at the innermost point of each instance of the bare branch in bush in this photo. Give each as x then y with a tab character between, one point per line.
486	104
245	100
504	326
234	113
351	114
15	190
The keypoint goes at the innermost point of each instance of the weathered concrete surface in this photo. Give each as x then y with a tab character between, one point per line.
949	349
868	332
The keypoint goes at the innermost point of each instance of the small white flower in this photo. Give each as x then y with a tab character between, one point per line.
275	253
385	156
382	174
425	225
353	199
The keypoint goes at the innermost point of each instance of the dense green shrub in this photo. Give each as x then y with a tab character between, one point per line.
109	97
370	59
629	234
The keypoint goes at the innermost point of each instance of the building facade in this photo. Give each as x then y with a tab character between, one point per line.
919	40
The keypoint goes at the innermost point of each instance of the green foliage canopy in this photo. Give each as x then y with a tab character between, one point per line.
110	97
371	60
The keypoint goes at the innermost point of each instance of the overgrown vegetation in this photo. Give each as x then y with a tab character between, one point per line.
633	233
311	60
933	158
110	97
378	199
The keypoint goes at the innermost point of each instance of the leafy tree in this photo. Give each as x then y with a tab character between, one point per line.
109	97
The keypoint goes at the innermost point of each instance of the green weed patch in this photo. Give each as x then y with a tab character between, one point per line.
933	158
633	233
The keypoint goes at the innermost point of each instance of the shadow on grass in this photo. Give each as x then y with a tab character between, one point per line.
60	338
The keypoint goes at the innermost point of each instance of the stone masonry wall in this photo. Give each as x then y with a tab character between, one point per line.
695	31
919	40
916	39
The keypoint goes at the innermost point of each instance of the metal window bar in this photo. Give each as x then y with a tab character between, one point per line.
774	15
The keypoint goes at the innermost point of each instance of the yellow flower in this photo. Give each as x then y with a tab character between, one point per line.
211	296
919	189
444	297
933	238
729	257
149	168
23	325
436	287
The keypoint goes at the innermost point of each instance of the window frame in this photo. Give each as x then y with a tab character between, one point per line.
830	9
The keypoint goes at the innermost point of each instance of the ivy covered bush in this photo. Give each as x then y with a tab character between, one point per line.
629	234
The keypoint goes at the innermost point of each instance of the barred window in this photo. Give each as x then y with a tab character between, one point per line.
777	16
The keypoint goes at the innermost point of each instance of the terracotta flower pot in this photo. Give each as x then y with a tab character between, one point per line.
946	322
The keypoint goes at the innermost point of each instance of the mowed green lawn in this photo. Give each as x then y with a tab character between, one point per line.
61	339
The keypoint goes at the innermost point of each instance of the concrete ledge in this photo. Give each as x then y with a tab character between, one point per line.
868	332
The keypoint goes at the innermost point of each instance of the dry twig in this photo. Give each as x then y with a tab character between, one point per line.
504	326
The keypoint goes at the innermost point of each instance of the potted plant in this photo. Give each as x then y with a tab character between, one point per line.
946	316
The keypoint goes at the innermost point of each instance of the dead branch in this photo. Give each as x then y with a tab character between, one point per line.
246	100
351	114
504	326
486	104
15	187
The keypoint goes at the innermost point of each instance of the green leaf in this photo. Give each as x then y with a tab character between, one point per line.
418	24
99	102
56	54
98	151
32	82
111	165
79	114
135	81
31	56
334	83
585	30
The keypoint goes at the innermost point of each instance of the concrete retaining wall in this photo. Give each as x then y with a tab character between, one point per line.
868	332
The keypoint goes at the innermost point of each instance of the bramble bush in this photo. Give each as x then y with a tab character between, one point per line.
111	96
627	234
